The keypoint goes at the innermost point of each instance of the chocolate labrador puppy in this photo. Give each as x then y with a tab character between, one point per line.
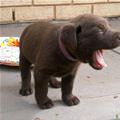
58	50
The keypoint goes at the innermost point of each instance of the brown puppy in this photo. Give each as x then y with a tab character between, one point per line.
57	50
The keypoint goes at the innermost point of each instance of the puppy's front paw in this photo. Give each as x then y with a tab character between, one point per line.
47	104
71	100
25	91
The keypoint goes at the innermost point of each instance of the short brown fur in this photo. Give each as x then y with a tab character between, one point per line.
39	46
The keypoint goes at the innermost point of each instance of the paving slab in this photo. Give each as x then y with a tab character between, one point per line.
99	91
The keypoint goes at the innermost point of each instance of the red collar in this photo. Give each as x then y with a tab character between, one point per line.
65	52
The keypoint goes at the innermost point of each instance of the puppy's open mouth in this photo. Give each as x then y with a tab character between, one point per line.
98	60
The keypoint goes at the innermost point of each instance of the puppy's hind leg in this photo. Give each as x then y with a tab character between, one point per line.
54	83
26	76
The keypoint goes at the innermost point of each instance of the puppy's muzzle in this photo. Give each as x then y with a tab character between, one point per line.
119	37
116	36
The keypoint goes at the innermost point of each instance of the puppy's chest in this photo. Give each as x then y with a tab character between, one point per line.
62	70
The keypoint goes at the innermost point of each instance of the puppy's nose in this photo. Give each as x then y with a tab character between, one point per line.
118	39
117	35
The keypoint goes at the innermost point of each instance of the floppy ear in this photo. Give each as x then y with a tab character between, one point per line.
78	29
68	36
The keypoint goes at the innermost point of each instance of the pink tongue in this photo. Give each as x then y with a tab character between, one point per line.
99	60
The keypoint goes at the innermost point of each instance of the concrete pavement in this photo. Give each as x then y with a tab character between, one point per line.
99	91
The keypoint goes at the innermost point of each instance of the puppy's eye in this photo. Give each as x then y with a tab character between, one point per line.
101	27
101	31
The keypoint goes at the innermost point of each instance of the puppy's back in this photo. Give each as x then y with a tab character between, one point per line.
31	38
